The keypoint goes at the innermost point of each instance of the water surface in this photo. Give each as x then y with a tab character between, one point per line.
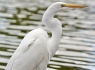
77	47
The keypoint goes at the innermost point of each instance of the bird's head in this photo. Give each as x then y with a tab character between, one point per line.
57	6
48	17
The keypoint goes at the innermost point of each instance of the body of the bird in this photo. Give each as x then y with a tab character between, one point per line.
36	48
32	53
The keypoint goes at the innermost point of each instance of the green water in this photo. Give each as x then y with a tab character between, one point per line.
76	50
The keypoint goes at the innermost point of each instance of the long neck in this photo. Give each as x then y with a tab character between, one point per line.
54	41
49	14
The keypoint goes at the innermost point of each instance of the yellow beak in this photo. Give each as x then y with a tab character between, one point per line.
73	5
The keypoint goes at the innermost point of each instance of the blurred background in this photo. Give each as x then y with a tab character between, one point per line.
77	48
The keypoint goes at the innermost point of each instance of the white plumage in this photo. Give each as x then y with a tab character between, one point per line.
36	49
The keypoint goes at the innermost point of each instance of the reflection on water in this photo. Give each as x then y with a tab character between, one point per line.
77	49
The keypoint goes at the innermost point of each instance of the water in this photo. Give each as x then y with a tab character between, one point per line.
77	47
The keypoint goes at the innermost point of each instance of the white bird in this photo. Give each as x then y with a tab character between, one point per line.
36	49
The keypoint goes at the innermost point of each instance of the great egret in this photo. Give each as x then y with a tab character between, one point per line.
37	48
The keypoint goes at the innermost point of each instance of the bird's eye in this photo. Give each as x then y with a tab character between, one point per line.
62	5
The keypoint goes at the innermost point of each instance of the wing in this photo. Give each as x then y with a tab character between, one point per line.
23	47
30	52
31	58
